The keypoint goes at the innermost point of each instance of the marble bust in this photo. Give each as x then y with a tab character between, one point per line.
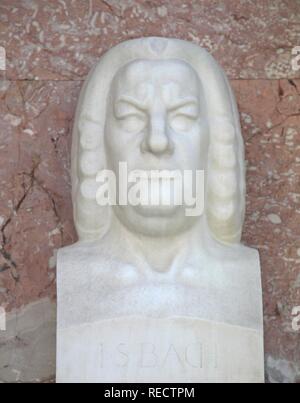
148	284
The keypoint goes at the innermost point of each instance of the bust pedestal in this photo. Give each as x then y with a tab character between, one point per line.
170	350
157	331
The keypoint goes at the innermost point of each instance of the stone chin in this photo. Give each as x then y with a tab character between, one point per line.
157	211
154	221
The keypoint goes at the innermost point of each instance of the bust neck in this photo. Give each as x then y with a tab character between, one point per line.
160	254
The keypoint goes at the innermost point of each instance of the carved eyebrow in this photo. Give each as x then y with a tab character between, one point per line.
132	102
189	108
184	102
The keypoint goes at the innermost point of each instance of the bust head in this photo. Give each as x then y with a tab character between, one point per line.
159	104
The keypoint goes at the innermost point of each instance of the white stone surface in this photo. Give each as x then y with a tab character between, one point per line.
152	273
169	350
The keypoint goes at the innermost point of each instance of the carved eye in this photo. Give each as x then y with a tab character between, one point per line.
181	123
183	118
133	123
131	118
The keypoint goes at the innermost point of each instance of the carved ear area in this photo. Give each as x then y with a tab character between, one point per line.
91	162
224	187
88	217
88	189
227	232
222	130
224	221
86	233
87	210
89	133
223	156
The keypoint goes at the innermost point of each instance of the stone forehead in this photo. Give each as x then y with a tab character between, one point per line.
157	71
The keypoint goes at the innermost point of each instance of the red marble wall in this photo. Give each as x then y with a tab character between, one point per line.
51	46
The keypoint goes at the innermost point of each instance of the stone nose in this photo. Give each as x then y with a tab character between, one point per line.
157	140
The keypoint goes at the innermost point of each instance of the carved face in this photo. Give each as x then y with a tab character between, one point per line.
156	120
